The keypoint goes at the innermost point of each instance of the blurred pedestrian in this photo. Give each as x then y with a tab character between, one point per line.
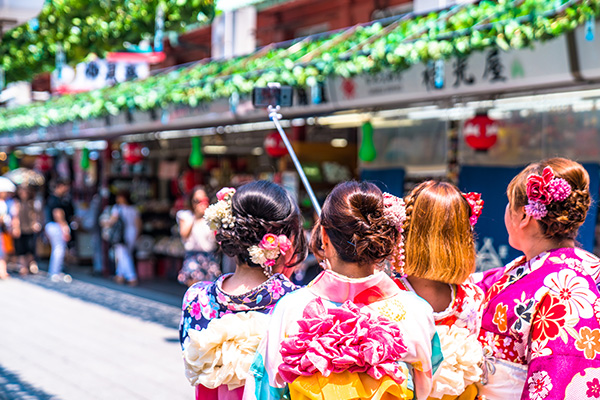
26	225
6	188
129	217
59	212
198	240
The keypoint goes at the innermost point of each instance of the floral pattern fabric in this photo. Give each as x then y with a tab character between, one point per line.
544	315
206	302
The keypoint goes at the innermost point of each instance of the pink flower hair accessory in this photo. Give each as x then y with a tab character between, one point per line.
220	214
394	211
545	190
476	204
268	251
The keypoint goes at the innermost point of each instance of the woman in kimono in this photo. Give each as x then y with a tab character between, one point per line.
540	329
351	333
439	259
259	225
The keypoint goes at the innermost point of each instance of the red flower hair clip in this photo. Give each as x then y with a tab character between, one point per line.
544	190
476	204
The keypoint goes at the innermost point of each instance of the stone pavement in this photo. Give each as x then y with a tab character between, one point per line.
85	341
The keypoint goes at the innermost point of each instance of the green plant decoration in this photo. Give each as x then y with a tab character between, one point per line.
13	161
409	40
196	158
367	152
85	158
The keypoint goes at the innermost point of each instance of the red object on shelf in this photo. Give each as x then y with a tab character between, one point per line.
274	145
132	153
481	132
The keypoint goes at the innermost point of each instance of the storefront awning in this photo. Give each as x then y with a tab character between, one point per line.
208	92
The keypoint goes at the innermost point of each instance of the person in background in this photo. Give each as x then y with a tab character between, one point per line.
198	240
259	226
438	261
129	215
541	319
5	224
59	212
26	224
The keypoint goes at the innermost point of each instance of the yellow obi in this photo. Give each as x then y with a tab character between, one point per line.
348	386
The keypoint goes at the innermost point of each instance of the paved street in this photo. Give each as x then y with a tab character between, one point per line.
85	341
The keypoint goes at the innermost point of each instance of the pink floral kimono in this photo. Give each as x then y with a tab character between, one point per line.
344	338
541	328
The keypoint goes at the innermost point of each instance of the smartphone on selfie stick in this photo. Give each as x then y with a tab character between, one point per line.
273	97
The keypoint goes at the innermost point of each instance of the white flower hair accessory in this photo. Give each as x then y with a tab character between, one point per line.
219	215
395	212
268	251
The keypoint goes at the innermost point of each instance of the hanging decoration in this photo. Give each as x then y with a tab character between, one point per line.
274	145
85	158
13	162
590	28
367	152
196	158
132	153
481	132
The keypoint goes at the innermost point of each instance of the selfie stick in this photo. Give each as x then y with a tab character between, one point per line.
275	117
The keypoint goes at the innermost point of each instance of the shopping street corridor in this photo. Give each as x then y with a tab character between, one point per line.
83	341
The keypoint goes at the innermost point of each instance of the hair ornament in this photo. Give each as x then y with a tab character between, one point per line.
476	204
268	251
220	215
544	190
394	211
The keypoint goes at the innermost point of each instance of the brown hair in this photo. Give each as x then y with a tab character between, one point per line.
353	218
564	217
439	241
259	208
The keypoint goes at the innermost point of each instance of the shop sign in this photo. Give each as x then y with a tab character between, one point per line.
489	71
97	74
274	145
481	132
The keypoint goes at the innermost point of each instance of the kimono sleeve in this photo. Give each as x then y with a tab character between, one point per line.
564	348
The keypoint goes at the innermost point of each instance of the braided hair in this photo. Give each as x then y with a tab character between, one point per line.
259	208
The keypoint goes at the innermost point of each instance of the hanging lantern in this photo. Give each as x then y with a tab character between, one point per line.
481	132
43	163
274	145
367	150
196	158
132	153
13	162
85	158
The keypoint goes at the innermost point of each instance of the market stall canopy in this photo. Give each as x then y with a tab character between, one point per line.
394	44
25	177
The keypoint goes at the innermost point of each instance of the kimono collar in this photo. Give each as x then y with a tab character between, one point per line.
263	296
338	288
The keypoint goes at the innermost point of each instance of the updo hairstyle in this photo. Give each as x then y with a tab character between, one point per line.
564	217
353	218
438	237
259	208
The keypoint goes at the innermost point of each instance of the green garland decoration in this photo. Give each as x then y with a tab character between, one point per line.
458	31
89	26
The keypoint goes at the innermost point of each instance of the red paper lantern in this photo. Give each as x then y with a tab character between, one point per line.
43	163
274	145
481	132
132	153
